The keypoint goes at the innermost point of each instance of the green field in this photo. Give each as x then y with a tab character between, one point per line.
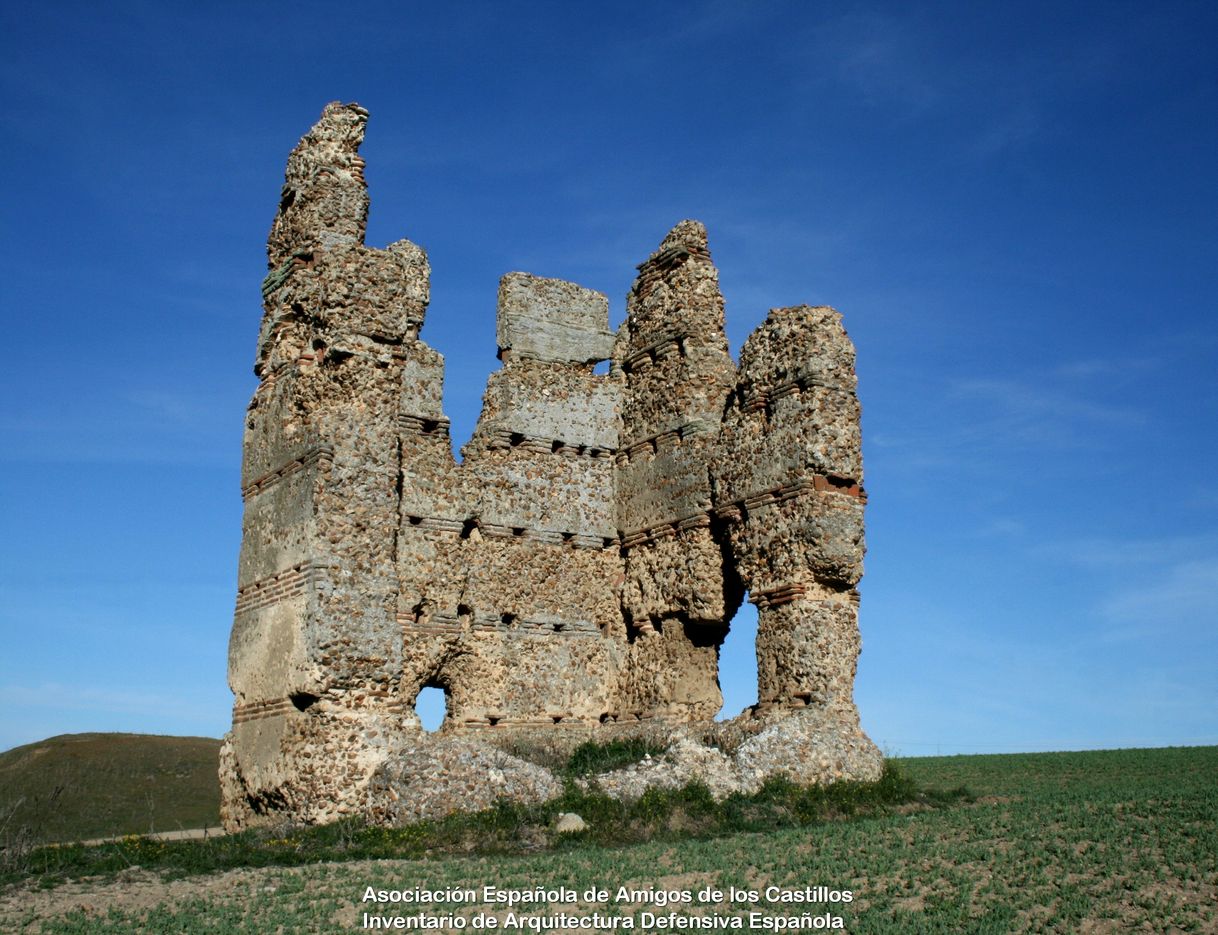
1098	842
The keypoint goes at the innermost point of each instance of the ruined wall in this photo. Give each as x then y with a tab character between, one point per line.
515	612
676	599
575	574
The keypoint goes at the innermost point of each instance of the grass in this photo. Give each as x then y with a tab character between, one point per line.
100	785
1101	842
592	757
507	829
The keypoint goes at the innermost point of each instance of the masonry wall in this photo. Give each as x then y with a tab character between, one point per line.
574	574
513	611
316	653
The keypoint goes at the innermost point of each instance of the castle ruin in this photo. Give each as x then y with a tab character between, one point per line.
573	576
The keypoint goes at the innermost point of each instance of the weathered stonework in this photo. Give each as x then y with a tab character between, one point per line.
574	575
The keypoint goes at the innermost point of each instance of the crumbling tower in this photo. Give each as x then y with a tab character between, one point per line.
680	590
315	657
788	485
574	576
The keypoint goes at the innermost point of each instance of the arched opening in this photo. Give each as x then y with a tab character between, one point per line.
738	663
432	707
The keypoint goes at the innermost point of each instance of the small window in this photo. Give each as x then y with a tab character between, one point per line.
432	707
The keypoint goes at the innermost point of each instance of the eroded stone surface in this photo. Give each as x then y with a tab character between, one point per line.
573	577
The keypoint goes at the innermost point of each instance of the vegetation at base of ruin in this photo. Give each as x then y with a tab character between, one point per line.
601	757
587	759
1106	841
507	828
81	786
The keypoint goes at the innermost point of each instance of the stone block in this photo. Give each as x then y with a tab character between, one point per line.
549	319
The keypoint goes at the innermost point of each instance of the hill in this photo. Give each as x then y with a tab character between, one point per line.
99	785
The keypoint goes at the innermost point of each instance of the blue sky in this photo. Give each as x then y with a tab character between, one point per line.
1014	205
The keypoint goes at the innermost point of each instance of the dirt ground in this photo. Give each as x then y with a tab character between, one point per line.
132	890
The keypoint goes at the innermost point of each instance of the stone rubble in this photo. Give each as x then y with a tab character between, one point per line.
569	823
572	578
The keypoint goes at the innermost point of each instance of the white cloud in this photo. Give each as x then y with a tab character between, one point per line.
1026	406
1105	367
882	58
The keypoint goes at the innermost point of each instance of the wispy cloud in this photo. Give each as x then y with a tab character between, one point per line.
881	58
1206	498
175	409
916	69
1002	527
1183	600
131	425
1121	554
112	701
1087	368
1148	588
1033	408
970	421
1013	125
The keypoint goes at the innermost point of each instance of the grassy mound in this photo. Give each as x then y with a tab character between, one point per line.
81	786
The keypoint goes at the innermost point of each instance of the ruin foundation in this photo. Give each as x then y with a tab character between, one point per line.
572	578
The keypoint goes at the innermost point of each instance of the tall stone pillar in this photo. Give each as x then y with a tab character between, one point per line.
673	355
788	484
315	652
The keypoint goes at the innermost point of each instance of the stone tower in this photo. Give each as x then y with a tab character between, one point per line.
573	577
